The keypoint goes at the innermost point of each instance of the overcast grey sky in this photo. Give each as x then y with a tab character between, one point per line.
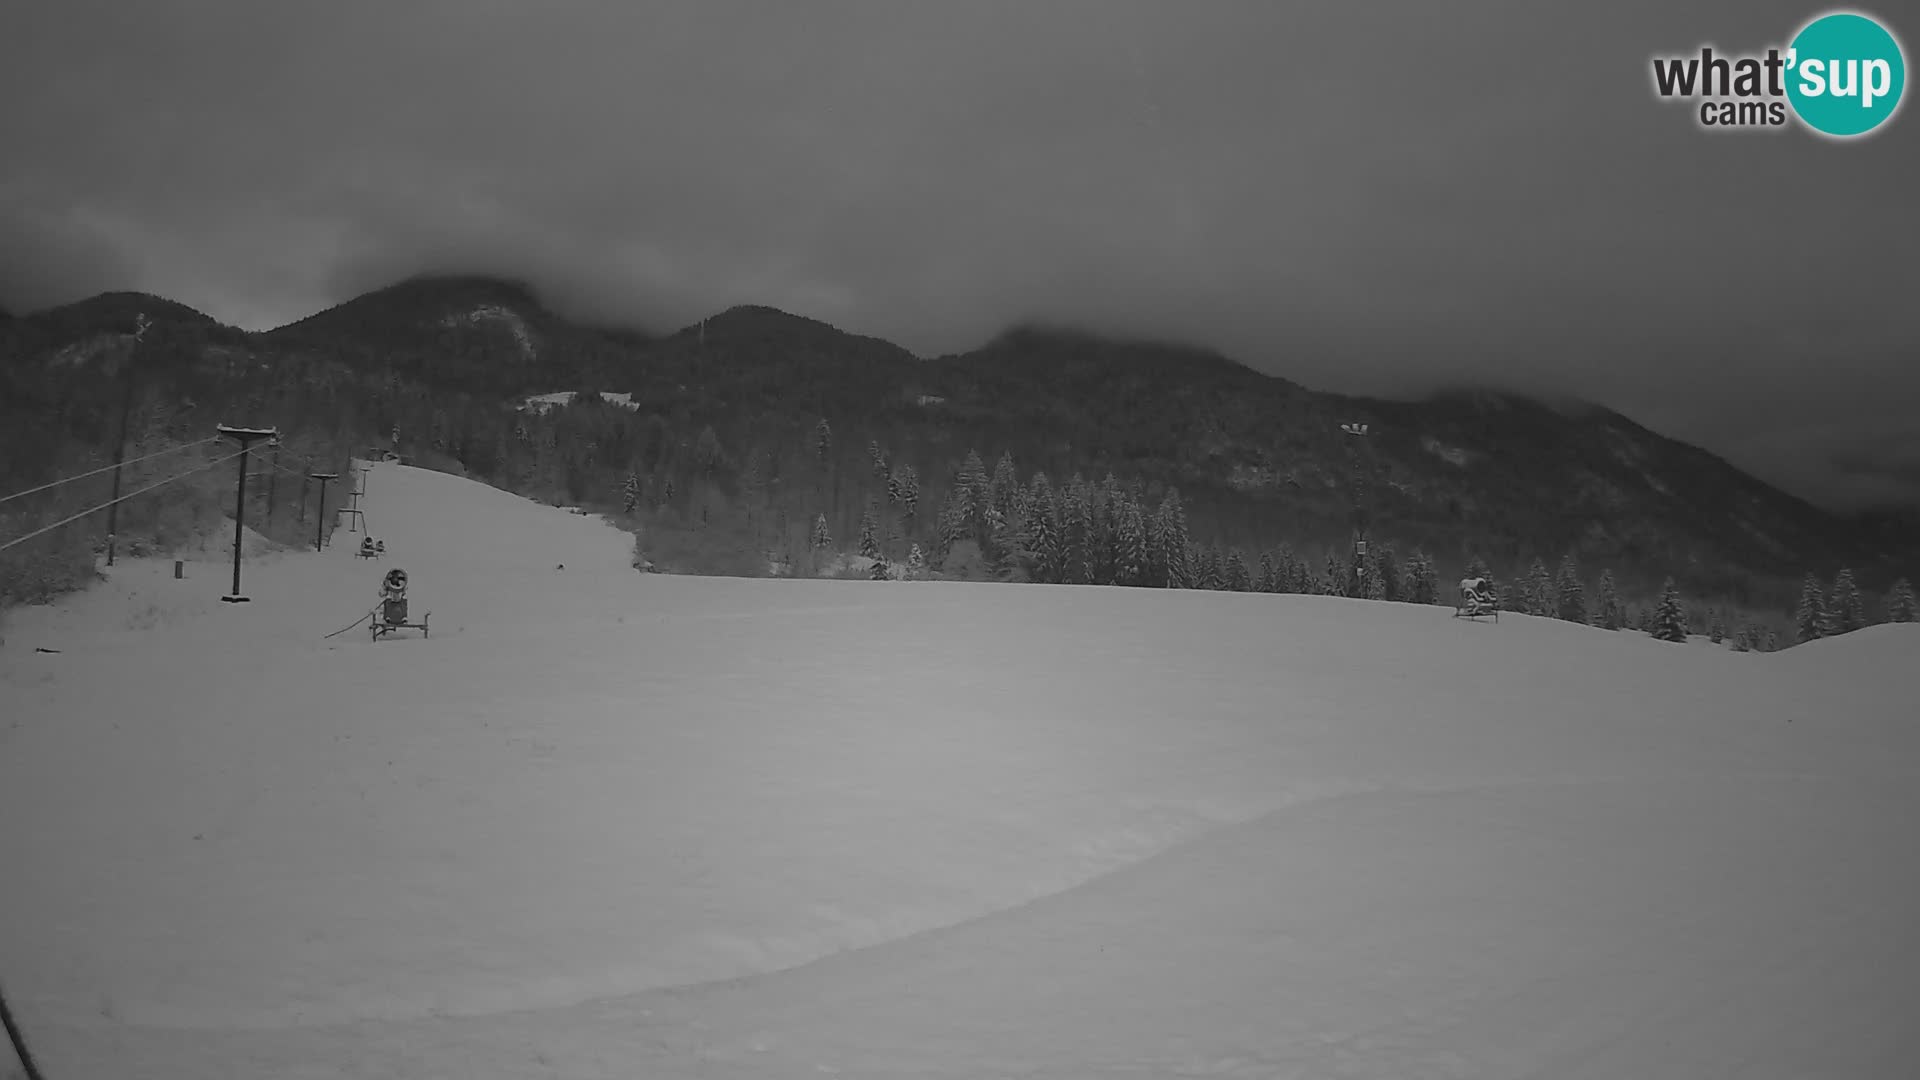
1368	198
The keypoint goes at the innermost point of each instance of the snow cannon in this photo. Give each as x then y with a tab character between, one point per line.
393	595
392	613
1477	598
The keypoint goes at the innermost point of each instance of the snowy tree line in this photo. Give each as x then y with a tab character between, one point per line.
998	524
1823	612
993	524
794	491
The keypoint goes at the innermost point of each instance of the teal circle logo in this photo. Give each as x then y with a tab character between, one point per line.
1846	75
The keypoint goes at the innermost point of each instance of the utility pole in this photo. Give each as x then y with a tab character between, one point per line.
1358	431
246	437
120	447
320	523
273	481
354	489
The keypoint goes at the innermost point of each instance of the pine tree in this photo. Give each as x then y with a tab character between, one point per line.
1004	489
971	481
1087	566
1422	584
1846	609
1043	529
630	493
1171	524
1570	594
1387	578
1237	578
1334	583
916	562
952	521
1207	567
879	459
1716	625
1156	575
1075	515
961	509
753	482
879	572
904	488
1268	579
1900	603
822	441
1670	617
1286	569
1610	614
1103	546
1539	589
1131	560
870	534
821	537
1810	622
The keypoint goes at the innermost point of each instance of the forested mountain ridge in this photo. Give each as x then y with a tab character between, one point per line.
753	425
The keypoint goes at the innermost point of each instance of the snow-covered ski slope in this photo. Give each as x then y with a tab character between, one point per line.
605	823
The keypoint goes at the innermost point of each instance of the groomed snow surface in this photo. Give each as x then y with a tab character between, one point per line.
605	823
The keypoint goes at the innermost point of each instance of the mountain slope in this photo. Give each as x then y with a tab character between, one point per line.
726	412
1465	472
475	334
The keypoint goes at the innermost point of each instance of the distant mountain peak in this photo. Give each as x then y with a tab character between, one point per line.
758	327
760	317
124	305
1041	342
463	291
435	303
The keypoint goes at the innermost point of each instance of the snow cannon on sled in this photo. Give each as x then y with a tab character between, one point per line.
1476	599
391	615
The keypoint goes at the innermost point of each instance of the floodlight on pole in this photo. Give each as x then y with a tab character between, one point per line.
1358	431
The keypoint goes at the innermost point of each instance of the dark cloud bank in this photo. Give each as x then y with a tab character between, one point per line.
1368	198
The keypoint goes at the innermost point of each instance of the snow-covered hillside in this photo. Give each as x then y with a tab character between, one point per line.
605	823
541	403
503	316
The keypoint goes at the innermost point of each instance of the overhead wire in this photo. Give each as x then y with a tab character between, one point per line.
43	530
107	468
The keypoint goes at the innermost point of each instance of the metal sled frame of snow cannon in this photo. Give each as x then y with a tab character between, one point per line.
1467	608
387	620
391	615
